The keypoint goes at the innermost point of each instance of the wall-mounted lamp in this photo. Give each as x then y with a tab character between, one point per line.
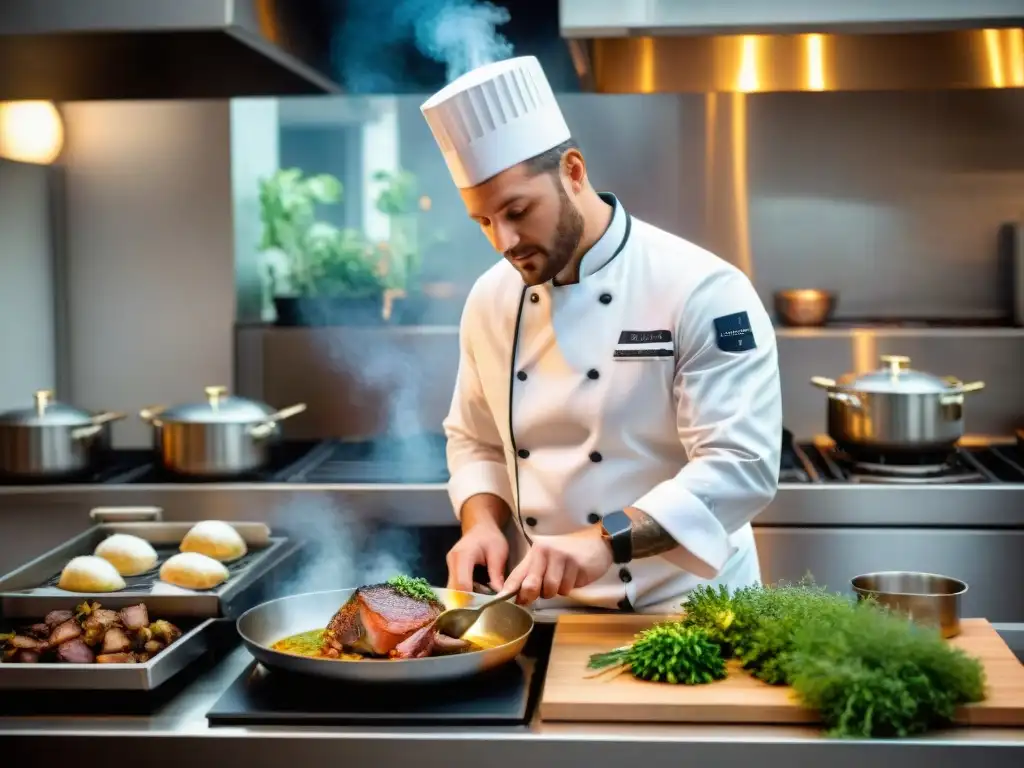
30	131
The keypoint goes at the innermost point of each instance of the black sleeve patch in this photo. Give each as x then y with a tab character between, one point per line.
734	334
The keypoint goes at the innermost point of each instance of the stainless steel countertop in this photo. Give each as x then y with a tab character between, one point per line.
178	730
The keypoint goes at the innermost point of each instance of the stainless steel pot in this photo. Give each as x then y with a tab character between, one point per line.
52	439
224	435
896	409
926	598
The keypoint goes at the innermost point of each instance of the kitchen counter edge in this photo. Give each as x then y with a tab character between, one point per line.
178	730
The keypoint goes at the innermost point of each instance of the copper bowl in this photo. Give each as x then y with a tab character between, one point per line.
805	307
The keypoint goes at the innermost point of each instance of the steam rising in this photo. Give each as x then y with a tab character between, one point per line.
340	550
461	34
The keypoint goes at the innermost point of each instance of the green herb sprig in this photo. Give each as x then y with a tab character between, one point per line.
668	652
416	588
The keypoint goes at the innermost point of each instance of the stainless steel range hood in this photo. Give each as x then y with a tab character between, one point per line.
71	50
652	46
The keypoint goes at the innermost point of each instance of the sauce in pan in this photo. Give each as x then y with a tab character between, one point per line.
309	643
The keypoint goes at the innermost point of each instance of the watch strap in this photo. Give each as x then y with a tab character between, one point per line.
620	537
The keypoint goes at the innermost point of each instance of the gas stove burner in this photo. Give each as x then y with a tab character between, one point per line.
965	465
909	471
945	476
897	461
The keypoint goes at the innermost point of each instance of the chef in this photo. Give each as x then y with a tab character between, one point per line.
616	421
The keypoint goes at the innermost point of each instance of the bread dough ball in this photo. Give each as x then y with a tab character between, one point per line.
216	539
89	573
129	554
191	570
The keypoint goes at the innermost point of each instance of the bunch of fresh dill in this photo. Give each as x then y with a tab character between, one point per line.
873	673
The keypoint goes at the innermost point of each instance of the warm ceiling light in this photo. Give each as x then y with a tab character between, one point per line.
30	131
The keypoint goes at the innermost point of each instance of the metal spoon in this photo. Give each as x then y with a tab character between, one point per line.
455	622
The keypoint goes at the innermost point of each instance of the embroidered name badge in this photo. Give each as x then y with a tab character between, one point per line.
638	345
734	334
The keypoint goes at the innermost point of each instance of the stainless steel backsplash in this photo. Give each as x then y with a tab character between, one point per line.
894	200
361	382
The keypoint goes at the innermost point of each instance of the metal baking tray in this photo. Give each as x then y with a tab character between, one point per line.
31	590
193	643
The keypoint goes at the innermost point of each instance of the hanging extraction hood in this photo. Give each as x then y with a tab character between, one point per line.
76	50
702	46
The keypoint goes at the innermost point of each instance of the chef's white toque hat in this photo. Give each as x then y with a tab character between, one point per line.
495	117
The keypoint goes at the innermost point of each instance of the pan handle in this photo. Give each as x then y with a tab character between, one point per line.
265	429
823	383
973	386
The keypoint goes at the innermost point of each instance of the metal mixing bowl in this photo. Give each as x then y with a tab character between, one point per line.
926	598
805	306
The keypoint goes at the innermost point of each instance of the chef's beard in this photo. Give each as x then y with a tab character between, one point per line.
566	240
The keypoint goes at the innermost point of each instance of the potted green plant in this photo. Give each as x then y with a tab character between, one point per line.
317	273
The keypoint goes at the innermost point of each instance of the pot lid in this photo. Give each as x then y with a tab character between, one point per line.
218	408
47	412
897	377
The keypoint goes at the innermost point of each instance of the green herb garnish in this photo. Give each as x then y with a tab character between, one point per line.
416	588
668	652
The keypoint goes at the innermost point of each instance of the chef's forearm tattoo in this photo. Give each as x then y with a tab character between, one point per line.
648	537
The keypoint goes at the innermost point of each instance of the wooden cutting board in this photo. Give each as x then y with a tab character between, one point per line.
570	695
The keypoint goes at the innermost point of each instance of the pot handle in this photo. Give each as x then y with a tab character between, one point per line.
823	383
266	428
84	433
102	418
150	412
957	395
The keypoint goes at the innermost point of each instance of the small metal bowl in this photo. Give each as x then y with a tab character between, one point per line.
805	307
926	598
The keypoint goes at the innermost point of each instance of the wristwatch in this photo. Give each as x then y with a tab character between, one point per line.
617	530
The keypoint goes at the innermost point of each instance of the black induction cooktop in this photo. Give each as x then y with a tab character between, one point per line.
263	697
505	696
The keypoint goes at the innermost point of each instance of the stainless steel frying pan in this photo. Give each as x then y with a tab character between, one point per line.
266	624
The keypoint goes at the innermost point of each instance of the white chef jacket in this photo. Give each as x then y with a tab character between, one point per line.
653	382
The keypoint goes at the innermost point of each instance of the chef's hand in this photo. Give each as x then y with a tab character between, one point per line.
482	544
555	565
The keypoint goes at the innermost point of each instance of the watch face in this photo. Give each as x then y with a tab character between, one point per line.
616	522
